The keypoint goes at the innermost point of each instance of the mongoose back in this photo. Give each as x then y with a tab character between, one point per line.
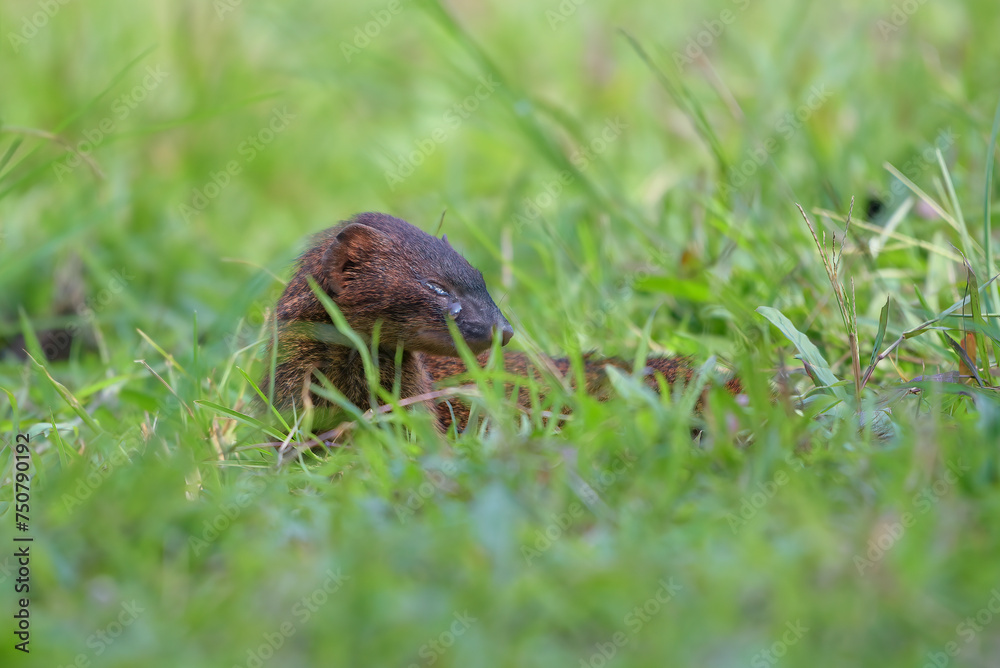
381	269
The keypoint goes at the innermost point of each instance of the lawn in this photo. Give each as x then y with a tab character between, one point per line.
626	176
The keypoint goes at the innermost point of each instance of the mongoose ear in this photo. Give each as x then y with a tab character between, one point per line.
352	246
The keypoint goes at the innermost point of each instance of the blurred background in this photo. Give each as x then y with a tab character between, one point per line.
215	137
605	164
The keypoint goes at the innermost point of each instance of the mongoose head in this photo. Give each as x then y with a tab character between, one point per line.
378	268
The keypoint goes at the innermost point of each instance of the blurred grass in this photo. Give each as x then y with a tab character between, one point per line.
156	510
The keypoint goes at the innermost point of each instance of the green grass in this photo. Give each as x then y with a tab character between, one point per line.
617	198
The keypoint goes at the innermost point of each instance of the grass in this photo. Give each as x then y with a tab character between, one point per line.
161	164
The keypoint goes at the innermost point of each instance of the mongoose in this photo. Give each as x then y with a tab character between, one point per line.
381	269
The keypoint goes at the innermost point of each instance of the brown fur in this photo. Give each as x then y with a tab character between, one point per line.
672	369
382	271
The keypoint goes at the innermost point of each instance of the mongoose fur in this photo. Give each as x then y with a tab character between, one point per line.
381	269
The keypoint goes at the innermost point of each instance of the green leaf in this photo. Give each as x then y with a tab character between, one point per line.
144	400
643	348
263	398
69	399
691	290
167	356
343	329
241	417
101	384
923	300
964	356
31	344
817	366
10	152
978	322
686	100
992	297
883	321
15	415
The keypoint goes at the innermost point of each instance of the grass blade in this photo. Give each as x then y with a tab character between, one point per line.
979	323
993	296
10	152
167	356
70	400
883	322
687	102
263	398
241	417
964	357
808	352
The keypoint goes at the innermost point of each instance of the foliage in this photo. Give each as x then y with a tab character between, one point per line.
626	177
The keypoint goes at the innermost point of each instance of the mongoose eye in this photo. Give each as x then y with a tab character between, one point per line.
437	289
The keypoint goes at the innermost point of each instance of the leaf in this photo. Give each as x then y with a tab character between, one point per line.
241	417
31	344
978	321
691	290
101	384
686	100
15	421
628	387
964	357
263	398
968	249
924	326
883	321
69	399
923	300
817	366
694	389
344	329
10	152
144	400
643	347
167	356
988	226
970	348
194	341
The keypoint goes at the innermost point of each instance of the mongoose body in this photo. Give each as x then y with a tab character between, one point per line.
384	273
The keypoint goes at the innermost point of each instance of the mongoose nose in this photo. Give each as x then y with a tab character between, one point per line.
508	333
